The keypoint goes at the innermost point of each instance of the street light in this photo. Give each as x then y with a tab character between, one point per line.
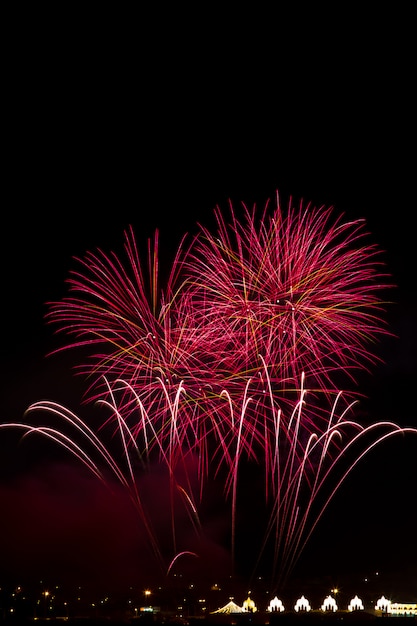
45	595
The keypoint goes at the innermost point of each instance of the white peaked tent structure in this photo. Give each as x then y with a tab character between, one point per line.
230	607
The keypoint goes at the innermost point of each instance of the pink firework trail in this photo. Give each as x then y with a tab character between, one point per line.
303	469
236	362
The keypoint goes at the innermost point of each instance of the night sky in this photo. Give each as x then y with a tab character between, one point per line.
102	133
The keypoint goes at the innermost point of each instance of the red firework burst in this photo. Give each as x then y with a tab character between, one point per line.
297	288
258	305
230	362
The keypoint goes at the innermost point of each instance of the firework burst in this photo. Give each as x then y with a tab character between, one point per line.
235	362
265	300
298	288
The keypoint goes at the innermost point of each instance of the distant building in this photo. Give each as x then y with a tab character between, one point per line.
404	608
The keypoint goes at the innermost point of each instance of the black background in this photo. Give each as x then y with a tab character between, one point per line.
112	120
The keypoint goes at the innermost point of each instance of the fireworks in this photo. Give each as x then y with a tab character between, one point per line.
235	361
260	303
298	288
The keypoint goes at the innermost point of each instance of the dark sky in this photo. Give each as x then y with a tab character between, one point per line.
102	133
